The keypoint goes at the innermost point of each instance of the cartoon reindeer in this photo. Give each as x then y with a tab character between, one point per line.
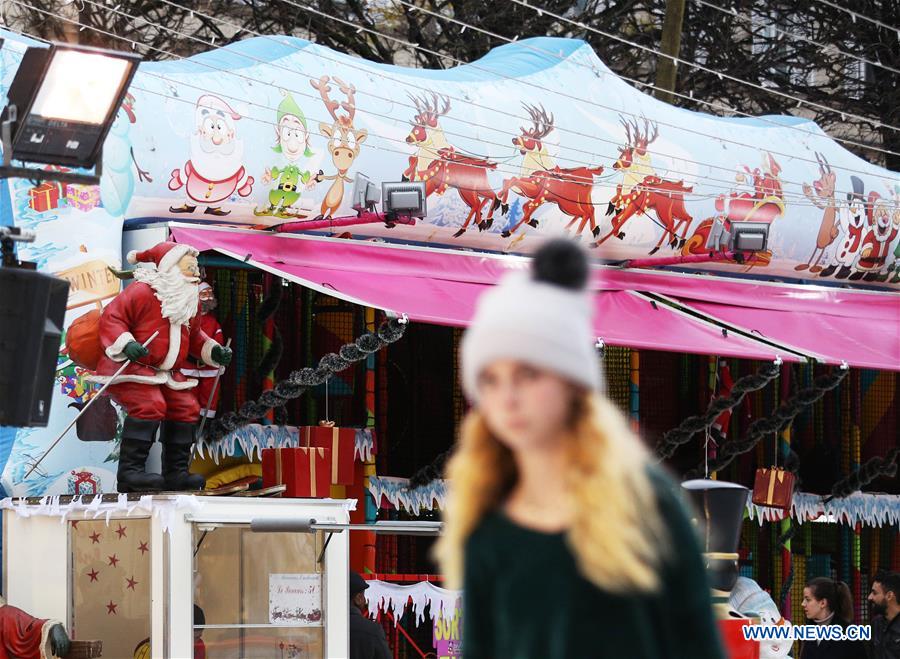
541	181
442	166
824	199
641	190
344	141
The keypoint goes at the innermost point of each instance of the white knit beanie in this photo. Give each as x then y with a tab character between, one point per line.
542	317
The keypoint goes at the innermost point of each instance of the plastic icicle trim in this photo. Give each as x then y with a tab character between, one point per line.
298	382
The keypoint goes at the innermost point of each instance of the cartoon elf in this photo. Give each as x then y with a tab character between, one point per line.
292	141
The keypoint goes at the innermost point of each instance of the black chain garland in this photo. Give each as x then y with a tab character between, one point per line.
297	383
781	419
674	438
871	470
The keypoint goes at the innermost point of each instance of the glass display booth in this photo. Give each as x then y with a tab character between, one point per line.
182	576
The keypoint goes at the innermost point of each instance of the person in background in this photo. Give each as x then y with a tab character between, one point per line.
204	373
568	542
367	640
828	602
884	599
199	645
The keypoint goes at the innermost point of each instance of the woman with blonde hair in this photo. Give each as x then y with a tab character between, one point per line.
567	542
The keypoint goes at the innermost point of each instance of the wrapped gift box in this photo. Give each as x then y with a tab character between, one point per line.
341	442
773	488
43	197
83	197
305	471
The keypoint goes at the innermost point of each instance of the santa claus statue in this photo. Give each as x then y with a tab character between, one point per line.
25	637
215	169
164	298
207	391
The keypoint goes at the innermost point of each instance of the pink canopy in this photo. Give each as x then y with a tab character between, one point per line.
441	287
827	338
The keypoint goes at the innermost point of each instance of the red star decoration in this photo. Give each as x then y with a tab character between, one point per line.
95	537
93	575
111	608
131	582
75	524
143	548
120	532
113	561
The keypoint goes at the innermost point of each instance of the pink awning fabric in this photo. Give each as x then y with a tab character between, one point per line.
441	287
864	343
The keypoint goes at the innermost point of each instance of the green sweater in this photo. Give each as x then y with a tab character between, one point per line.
524	598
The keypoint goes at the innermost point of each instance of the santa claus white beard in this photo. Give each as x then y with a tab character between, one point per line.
216	163
177	295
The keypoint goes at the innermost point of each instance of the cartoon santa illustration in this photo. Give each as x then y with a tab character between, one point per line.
164	298
875	246
851	225
204	373
215	169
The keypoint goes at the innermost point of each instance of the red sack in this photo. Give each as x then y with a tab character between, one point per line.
83	340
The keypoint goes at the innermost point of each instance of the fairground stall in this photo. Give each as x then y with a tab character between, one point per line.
745	286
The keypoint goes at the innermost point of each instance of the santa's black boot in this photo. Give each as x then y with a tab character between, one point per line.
137	438
177	440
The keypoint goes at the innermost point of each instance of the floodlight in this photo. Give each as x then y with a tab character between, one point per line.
749	236
365	194
404	199
738	236
62	103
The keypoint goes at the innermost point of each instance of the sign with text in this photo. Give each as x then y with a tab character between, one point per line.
295	599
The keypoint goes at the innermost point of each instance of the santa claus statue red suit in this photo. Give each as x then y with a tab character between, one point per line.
206	391
25	637
164	298
215	169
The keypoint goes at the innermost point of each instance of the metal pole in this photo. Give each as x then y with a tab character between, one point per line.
212	394
84	409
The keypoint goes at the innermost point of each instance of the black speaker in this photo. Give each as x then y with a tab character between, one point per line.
32	310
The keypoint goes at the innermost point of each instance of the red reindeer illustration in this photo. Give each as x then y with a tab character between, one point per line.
642	191
541	181
764	204
442	166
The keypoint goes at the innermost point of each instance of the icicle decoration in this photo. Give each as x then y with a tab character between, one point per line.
872	510
396	490
394	598
95	507
251	439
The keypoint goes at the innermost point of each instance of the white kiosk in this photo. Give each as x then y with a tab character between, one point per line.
151	576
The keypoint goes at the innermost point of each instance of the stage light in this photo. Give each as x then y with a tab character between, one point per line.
62	102
365	194
739	236
749	236
404	199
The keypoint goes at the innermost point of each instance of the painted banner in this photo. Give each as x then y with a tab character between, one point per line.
536	139
447	633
